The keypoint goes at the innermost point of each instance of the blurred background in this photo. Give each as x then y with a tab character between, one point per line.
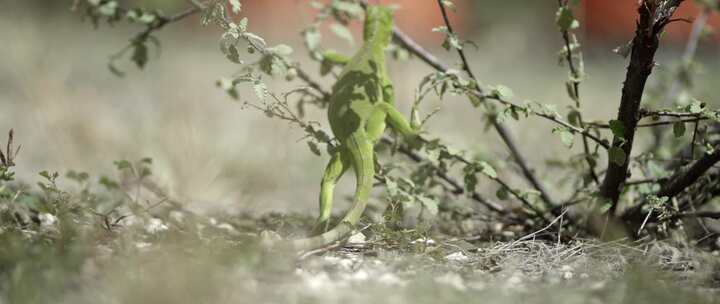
70	112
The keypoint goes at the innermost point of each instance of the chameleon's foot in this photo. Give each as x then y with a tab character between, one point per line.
322	226
414	141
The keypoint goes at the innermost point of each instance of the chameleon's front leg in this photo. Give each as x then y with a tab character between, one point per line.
336	167
398	123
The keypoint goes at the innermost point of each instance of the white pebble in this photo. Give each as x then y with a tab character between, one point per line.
155	225
457	257
357	238
47	219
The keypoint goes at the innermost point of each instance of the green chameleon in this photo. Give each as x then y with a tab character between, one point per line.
361	104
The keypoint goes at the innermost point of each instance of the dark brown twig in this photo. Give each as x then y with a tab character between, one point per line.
680	181
698	214
686	177
645	181
653	18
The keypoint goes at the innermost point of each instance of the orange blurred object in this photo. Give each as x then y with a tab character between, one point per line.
612	20
287	17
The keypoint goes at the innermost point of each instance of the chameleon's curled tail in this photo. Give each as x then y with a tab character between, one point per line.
361	154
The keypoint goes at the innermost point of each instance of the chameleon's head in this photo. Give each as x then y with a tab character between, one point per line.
378	23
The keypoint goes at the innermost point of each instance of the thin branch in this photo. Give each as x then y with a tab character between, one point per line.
645	181
686	177
680	181
163	21
575	76
698	214
653	124
664	113
414	48
461	53
694	137
502	131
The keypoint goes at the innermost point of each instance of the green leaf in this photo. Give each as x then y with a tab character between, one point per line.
605	205
574	117
140	55
243	24
272	65
566	136
351	8
342	32
440	29
312	38
114	70
469	178
679	129
260	89
281	50
487	169
431	205
565	20
475	100
617	128
108	183
452	40
449	4
391	186
314	148
122	164
255	40
617	155
696	107
236	6
624	50
570	87
470	182
77	176
145	172
502	194
502	92
231	52
108	9
45	174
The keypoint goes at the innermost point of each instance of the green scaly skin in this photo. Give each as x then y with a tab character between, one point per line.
361	105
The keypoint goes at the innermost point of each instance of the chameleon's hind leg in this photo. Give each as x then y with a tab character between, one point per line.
336	167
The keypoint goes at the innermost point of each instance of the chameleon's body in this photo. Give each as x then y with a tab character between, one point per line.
361	104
